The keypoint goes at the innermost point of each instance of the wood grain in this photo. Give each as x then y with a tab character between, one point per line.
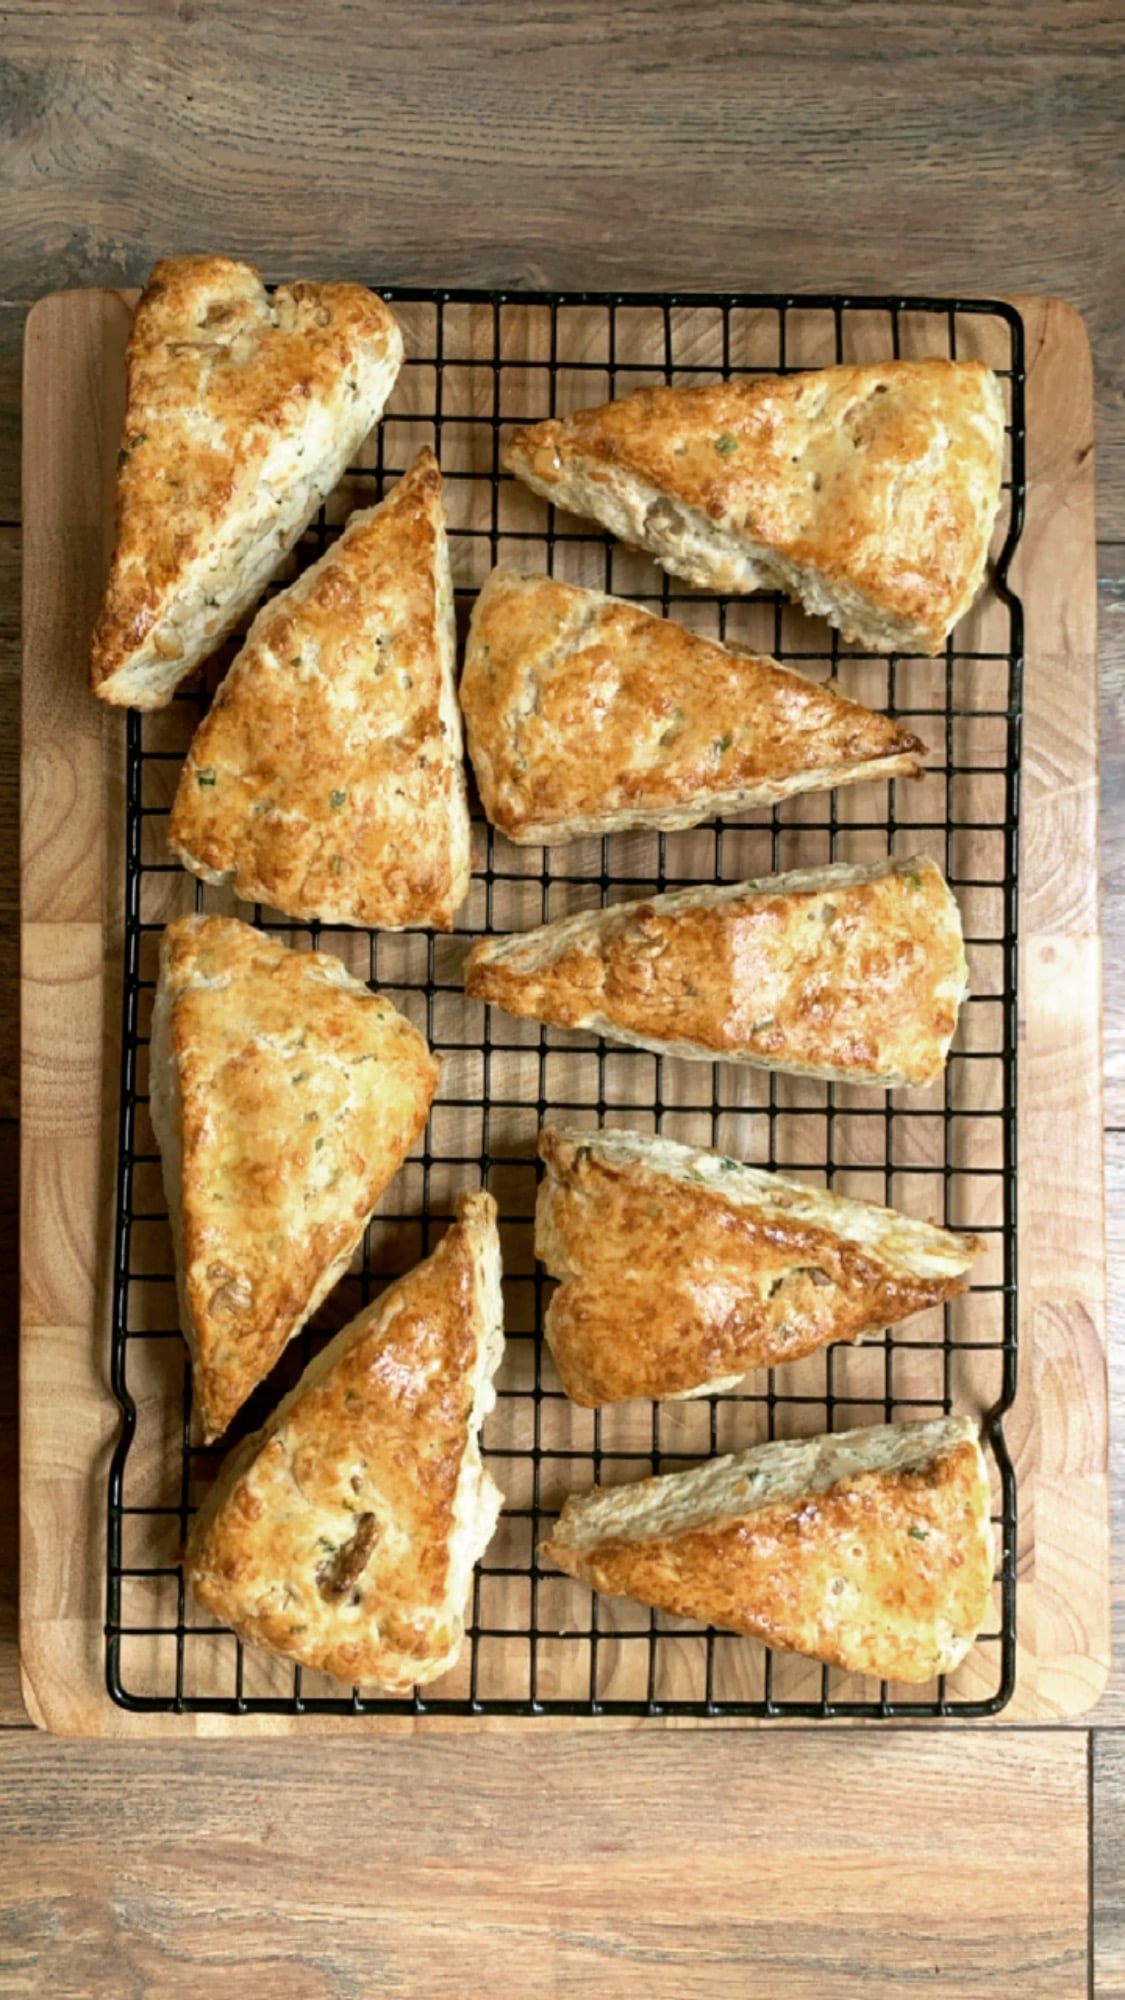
1111	633
9	814
12	319
11	1705
1110	1710
71	812
1107	1875
812	1866
1062	1238
789	143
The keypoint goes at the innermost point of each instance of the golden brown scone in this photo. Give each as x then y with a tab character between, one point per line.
343	1534
284	1097
871	1550
586	715
242	412
682	1270
328	779
869	493
855	974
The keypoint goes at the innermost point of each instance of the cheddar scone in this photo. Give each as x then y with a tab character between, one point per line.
871	1549
855	974
343	1534
243	409
682	1270
585	715
868	492
284	1097
328	780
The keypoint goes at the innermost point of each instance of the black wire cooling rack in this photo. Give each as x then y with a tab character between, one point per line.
538	1644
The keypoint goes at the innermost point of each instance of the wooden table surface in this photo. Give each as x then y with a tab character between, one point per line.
787	143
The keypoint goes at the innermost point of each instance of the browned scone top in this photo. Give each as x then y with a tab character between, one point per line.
242	411
871	1550
681	1270
285	1097
586	714
343	1534
850	973
869	492
327	779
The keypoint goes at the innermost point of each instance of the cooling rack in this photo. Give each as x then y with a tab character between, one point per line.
537	1643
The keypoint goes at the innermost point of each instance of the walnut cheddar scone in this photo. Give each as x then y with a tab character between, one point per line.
870	1549
343	1534
868	492
681	1270
586	714
284	1097
243	409
327	779
851	973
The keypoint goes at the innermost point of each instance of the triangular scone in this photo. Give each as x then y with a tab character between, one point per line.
343	1534
871	1549
869	493
328	778
243	409
585	715
855	974
682	1270
285	1097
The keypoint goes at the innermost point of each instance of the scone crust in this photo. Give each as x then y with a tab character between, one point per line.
343	1534
855	974
682	1270
877	484
289	1095
242	411
885	1571
327	779
585	714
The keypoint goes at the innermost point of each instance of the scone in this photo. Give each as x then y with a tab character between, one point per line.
682	1270
343	1534
284	1097
871	1549
855	974
585	715
328	780
243	409
868	492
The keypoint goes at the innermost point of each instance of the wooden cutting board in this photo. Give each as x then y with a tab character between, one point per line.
73	808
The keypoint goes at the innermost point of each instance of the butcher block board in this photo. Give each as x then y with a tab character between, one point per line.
72	817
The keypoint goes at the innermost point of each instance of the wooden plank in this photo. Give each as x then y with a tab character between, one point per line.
1108	1864
68	1115
583	147
1057	1431
1059	1422
819	1867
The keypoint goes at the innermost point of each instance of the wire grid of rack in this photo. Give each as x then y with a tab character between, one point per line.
539	1644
